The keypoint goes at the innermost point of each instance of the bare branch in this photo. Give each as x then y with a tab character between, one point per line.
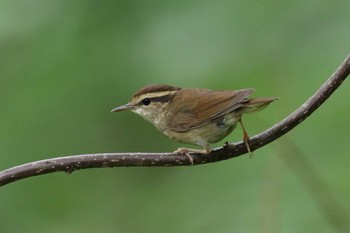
71	163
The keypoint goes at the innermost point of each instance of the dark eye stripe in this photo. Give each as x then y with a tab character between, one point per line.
163	99
160	99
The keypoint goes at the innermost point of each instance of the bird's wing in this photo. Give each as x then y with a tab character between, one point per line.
197	107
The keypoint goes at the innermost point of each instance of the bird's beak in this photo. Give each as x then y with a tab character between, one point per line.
123	108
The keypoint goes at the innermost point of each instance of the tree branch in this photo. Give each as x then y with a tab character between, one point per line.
69	164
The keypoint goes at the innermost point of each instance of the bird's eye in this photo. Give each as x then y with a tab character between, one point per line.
146	101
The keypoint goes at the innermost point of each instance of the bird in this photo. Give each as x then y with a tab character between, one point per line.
195	116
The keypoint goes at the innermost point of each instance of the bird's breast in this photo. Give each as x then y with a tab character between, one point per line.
211	132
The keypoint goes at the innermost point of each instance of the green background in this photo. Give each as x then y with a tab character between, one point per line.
65	64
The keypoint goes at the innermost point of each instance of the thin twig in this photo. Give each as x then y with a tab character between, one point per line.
71	163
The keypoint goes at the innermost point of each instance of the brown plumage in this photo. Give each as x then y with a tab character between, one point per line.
194	115
203	106
154	88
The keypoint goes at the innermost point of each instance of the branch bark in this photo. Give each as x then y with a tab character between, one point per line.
69	164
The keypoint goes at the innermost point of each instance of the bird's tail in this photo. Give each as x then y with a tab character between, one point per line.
257	104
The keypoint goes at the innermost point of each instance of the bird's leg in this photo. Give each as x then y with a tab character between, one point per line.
246	139
187	151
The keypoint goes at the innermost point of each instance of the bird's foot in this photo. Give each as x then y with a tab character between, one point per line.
246	143
187	151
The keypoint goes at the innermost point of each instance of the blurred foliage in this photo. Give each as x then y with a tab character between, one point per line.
65	64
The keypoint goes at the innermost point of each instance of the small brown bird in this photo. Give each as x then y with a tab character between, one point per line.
194	115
